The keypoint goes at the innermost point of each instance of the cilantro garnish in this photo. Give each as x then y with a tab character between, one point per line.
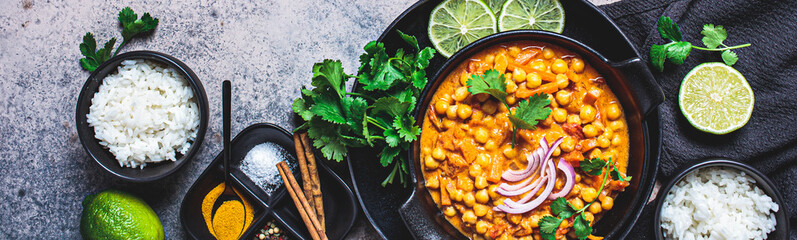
526	115
562	210
131	27
677	50
377	115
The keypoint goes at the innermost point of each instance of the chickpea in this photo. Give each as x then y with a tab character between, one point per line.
481	97
519	75
426	150
464	111
559	66
450	211
539	65
588	194
590	131
433	182
476	115
596	153
533	80
595	208
547	53
438	153
513	51
469	199
481	182
482	226
493	194
604	142
577	65
562	81
563	97
510	100
568	144
463	79
588	113
451	112
616	125
447	124
610	155
573	118
489	59
480	210
457	196
430	163
616	141
474	170
440	106
510	152
489	107
613	111
490	145
576	203
508	76
500	63
558	184
515	218
483	159
576	190
469	217
465	184
481	135
559	115
563	224
482	196
557	152
607	203
511	87
461	93
534	221
589	217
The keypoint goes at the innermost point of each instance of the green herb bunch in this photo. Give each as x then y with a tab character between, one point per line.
131	27
562	210
677	50
526	115
377	115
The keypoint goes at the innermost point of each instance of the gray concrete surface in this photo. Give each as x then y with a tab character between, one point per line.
266	47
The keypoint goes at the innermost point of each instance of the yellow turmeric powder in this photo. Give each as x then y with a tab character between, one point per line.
226	224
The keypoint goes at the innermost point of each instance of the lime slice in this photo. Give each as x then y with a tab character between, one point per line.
456	23
495	5
715	98
546	15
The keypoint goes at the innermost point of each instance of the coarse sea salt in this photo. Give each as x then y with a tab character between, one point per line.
260	165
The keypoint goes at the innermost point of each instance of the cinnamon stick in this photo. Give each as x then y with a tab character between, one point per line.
316	183
308	215
307	182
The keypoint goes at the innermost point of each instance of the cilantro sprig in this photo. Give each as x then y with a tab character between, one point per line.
131	26
526	115
562	210
378	114
677	50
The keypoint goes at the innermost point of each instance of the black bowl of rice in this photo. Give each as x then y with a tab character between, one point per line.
142	115
720	199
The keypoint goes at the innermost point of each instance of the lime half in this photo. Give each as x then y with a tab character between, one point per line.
456	23
546	15
716	98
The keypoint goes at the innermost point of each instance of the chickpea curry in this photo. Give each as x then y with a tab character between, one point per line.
466	141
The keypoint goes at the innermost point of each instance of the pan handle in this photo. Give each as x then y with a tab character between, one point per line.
642	84
419	221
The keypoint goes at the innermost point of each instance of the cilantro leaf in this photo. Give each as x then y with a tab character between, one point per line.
329	74
354	109
392	137
549	224
328	107
387	155
300	107
678	52
391	106
729	57
406	128
617	176
326	138
127	16
528	113
561	208
491	82
377	73
423	58
93	57
411	40
668	29
658	54
581	227
419	79
593	166
131	29
713	35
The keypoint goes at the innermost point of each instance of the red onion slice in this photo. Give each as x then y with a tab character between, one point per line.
512	207
570	176
534	161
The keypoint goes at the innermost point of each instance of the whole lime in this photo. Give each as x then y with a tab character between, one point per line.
113	214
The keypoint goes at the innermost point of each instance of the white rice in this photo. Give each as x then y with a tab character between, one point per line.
717	203
144	113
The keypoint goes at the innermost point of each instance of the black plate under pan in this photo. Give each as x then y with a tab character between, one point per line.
339	202
584	23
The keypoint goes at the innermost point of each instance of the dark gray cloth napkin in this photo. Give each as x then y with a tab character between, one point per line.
769	140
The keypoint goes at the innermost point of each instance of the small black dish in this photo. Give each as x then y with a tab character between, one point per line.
782	225
339	201
105	158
